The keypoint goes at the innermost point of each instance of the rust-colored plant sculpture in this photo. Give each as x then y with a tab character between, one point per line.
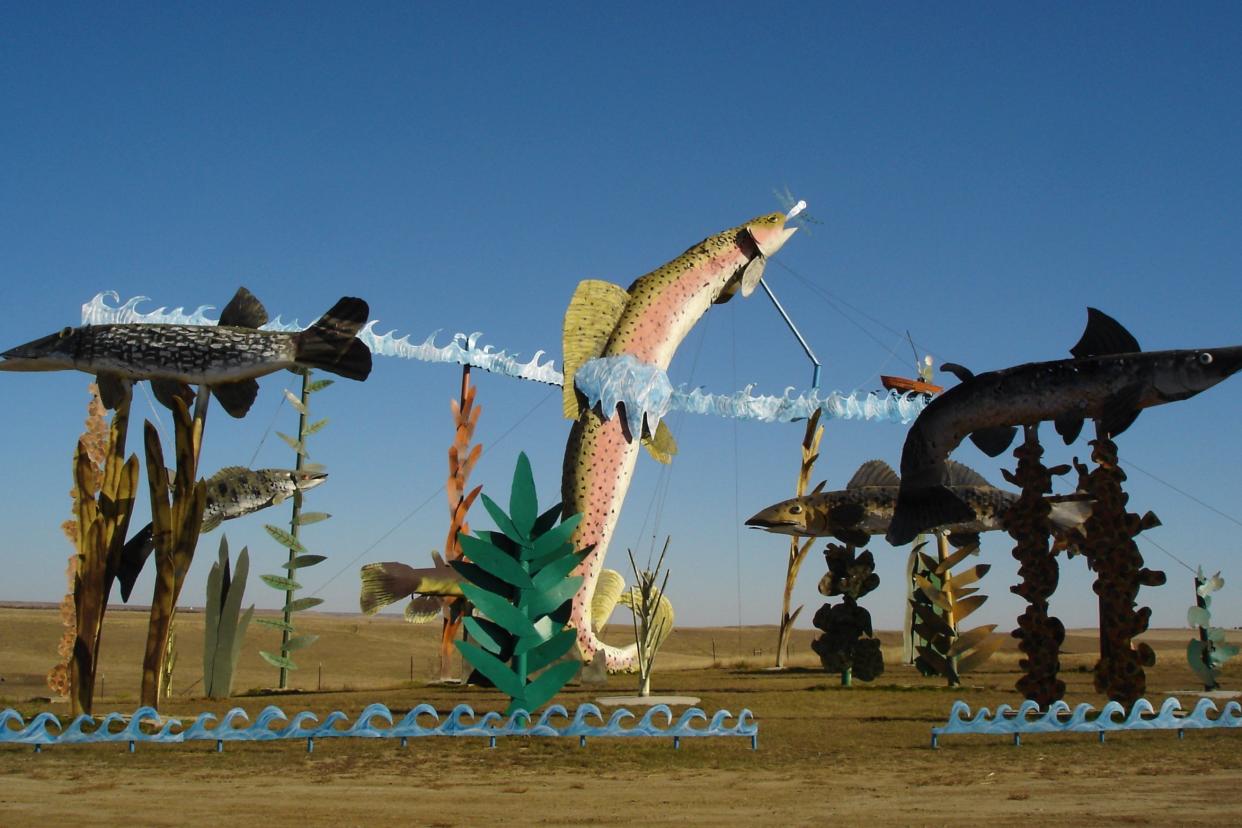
798	546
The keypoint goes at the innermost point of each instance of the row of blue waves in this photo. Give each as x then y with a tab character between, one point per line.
375	722
1060	718
610	383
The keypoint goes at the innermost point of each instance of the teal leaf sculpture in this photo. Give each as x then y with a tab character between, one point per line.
1208	652
224	624
519	581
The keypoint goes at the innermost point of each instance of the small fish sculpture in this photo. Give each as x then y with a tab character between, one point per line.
388	582
232	492
1109	380
865	508
227	358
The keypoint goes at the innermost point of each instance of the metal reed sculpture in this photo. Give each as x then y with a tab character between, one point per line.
1113	555
1039	634
798	546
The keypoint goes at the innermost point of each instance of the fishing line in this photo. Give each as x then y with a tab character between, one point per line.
159	422
263	439
737	488
1208	506
434	494
1167	552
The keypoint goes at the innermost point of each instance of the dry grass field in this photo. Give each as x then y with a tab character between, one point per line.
825	753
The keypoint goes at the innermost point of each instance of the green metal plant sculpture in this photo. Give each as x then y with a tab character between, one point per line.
943	600
1208	652
224	626
299	558
848	644
519	581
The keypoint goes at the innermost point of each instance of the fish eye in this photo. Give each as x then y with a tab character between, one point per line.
1205	358
795	509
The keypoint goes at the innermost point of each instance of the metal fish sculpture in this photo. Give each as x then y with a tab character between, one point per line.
1110	380
232	492
388	582
647	322
865	508
226	357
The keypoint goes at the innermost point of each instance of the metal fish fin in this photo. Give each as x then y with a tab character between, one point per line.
752	272
437	560
922	509
133	556
1103	336
962	373
960	539
423	609
852	537
113	389
874	473
960	475
166	391
590	319
846	514
210	522
384	584
1121	409
237	397
244	311
227	472
332	343
661	445
1069	426
993	441
277	499
819	487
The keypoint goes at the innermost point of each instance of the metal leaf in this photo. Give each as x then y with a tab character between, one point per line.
318	385
981	653
553	539
285	539
494	561
275	623
499	610
278	661
956	557
488	633
300	641
968	576
282	584
303	604
967	640
315	427
496	670
295	402
502	520
547	685
523	506
966	606
307	518
548	600
303	561
550	650
292	443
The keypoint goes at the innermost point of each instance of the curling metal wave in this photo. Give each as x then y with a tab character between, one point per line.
375	722
647	385
1059	718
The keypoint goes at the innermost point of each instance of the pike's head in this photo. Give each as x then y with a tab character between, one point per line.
789	517
306	480
758	238
1186	373
49	353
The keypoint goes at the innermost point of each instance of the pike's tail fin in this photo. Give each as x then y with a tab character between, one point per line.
919	510
384	584
332	343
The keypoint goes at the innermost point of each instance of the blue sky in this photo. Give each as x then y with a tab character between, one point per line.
981	172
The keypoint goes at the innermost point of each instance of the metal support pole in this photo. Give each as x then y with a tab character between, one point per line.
801	341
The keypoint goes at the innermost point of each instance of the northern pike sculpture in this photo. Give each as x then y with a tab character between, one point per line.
232	492
1109	380
226	357
865	508
643	324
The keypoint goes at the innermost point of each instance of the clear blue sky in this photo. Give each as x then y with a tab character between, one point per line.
982	174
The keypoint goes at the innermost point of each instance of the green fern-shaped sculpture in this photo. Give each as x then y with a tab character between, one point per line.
519	581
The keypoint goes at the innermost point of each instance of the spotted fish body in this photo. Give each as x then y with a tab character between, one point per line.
865	508
225	357
655	315
235	491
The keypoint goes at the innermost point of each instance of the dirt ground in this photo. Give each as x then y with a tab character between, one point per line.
825	752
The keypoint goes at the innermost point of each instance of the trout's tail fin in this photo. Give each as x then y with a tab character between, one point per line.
332	343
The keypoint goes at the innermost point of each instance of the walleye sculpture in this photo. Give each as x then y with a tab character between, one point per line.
642	325
232	492
1109	380
226	357
865	508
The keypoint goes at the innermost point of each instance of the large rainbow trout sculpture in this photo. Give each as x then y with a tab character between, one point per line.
638	330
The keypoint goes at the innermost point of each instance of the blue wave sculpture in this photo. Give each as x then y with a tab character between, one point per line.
1059	718
644	388
375	722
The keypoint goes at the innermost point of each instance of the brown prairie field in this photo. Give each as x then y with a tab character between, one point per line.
825	753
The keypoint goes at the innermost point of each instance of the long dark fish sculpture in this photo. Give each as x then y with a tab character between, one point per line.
232	492
226	357
1110	380
865	508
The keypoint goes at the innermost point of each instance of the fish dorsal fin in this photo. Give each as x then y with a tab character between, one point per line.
874	473
226	472
244	311
961	372
661	445
437	560
592	316
1103	336
819	487
960	475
